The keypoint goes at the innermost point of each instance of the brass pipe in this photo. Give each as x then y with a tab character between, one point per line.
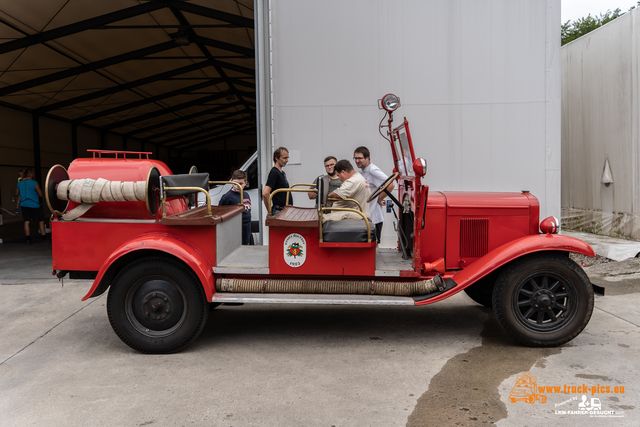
286	203
194	189
347	200
366	220
282	190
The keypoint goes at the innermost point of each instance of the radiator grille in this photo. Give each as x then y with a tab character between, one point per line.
474	237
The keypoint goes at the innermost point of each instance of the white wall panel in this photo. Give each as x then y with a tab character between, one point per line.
599	123
479	83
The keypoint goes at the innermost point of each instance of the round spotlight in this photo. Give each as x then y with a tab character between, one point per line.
389	102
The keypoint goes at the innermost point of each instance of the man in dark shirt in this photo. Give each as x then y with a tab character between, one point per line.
232	197
277	179
334	181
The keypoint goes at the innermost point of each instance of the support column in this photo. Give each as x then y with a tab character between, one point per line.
37	162
74	140
103	140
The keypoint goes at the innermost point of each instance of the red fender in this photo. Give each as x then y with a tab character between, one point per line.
507	253
169	245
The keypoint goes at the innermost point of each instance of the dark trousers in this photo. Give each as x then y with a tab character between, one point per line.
378	227
246	232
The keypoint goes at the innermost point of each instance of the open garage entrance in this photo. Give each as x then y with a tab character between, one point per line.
169	77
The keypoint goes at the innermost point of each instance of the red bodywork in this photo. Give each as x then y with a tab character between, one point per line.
463	236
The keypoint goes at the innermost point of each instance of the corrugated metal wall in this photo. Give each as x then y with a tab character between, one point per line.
600	123
479	82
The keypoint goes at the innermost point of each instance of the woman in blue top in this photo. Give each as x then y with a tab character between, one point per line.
28	192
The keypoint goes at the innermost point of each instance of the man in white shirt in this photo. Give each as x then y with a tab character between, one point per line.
355	187
375	177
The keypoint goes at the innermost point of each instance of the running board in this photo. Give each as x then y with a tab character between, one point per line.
224	297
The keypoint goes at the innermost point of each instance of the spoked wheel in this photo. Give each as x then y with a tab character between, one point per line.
157	306
543	300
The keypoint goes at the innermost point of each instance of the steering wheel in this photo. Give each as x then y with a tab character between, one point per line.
383	187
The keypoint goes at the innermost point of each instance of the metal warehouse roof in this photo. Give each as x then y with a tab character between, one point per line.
176	73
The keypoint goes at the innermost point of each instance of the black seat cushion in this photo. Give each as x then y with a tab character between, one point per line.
346	231
200	180
323	191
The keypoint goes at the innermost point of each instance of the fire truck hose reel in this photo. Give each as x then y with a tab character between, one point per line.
88	192
309	286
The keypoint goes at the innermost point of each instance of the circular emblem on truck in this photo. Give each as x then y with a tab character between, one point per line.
295	250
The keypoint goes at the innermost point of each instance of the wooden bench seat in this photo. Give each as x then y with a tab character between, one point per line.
293	216
198	216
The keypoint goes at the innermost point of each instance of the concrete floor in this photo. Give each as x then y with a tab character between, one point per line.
263	365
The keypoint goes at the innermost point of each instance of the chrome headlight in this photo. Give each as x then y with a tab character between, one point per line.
389	102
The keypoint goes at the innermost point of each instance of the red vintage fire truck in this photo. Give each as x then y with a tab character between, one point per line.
125	221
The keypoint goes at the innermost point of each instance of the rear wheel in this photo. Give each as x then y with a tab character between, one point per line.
157	306
543	300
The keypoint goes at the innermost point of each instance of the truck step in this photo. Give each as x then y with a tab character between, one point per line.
226	297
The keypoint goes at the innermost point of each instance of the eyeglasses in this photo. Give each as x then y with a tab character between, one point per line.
330	165
358	158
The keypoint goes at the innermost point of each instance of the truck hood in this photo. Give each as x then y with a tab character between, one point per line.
483	203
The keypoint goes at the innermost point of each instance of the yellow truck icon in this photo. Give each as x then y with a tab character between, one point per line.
526	389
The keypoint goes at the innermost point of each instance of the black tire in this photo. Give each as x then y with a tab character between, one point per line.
157	305
543	300
482	291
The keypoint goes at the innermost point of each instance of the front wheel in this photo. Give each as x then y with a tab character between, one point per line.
543	300
482	291
157	305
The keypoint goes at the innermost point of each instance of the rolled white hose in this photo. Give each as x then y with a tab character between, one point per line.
99	190
89	191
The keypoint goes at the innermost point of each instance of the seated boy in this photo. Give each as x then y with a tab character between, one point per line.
232	197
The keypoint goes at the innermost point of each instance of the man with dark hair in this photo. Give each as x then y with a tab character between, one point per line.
277	179
232	197
334	181
375	177
355	187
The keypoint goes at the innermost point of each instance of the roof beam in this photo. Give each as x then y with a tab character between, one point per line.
82	26
87	67
150	100
178	144
249	53
203	130
217	137
125	86
203	49
233	67
192	125
184	118
239	21
199	101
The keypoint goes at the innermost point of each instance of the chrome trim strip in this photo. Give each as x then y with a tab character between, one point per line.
222	297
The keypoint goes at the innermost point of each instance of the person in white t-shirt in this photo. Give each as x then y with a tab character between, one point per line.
355	187
375	177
